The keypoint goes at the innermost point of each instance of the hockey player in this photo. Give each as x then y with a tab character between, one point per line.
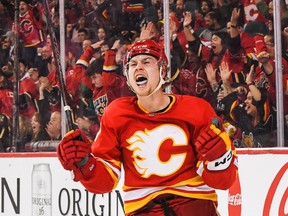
173	156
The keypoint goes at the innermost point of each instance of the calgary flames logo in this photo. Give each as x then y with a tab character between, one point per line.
146	149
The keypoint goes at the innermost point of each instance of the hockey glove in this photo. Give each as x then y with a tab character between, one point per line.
213	143
74	153
218	167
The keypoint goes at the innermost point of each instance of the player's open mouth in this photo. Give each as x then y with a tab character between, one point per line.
141	80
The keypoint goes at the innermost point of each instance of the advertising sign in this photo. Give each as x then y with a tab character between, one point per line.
37	185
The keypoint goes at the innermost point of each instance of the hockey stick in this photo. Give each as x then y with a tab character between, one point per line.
63	90
59	71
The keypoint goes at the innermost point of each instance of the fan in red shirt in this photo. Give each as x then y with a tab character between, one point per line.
101	77
173	148
30	28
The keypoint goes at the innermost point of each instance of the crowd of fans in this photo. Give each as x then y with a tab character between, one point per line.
221	50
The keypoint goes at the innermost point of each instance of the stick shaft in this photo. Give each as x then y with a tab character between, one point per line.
59	72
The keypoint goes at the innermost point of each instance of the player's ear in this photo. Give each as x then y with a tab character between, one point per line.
164	71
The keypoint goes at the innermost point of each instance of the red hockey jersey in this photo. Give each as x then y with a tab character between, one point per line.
27	86
156	151
31	28
251	11
6	102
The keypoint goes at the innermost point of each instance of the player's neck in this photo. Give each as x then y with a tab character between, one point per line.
154	103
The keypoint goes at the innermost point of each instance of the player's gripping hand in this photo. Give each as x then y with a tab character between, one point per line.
74	153
218	164
214	146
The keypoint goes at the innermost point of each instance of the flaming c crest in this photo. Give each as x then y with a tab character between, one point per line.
146	144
